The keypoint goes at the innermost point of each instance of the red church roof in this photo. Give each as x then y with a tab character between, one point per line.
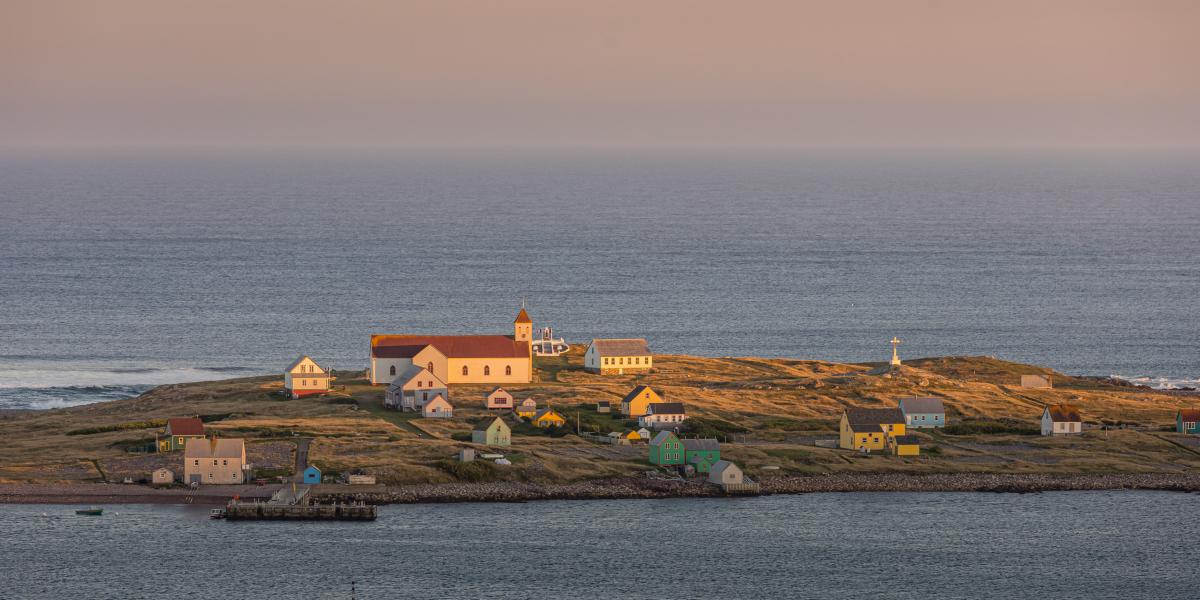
453	346
523	317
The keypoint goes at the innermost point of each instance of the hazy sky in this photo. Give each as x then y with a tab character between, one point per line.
559	72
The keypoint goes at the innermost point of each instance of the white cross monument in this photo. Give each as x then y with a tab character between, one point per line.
895	354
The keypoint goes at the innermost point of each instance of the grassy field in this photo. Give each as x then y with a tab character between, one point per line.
768	411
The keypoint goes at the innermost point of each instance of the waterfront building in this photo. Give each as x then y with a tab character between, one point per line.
1187	420
635	403
663	415
618	356
178	432
869	428
163	476
499	399
1061	419
312	475
492	431
413	388
455	359
701	453
305	377
215	461
724	472
548	417
1036	382
665	450
923	413
905	445
526	408
437	408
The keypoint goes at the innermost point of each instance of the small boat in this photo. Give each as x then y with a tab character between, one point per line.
549	345
216	513
91	512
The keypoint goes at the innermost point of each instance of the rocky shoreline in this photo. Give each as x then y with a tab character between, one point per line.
613	489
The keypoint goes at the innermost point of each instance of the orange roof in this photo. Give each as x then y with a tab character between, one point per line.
523	317
185	426
452	346
1189	414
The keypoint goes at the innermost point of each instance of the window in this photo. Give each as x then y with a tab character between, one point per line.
418	383
225	463
392	371
465	370
487	370
430	367
508	370
621	360
197	462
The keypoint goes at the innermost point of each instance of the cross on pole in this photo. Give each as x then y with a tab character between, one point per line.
895	353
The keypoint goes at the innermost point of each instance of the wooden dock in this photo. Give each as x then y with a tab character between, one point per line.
263	511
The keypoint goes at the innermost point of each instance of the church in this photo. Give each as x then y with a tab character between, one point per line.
458	359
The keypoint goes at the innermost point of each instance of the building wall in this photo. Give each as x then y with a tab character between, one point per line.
731	474
213	470
522	370
637	406
1050	427
907	450
925	420
669	453
702	459
661	421
496	435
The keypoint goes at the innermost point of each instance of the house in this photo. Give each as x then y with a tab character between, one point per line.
635	402
496	359
666	450
1187	420
869	428
923	413
412	388
1036	382
548	417
305	377
312	475
645	434
1061	419
499	399
213	461
603	406
178	432
437	408
626	437
618	356
663	415
905	445
492	431
701	453
163	476
724	472
526	408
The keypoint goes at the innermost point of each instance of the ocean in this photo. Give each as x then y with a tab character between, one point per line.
121	270
907	546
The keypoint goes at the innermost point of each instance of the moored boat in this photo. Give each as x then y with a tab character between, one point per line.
92	512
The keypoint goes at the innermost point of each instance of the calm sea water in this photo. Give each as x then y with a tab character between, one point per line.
120	271
1098	545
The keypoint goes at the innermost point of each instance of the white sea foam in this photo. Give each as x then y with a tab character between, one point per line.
1162	382
45	377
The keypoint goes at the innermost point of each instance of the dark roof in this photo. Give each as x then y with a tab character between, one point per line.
523	317
637	392
661	437
452	346
1064	413
622	347
922	406
1189	414
907	440
545	411
602	403
483	424
866	418
666	408
185	426
701	444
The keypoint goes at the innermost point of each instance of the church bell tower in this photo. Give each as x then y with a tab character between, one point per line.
523	326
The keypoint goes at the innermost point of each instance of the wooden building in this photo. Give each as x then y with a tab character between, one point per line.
413	388
305	377
724	472
1061	419
526	408
311	475
495	359
603	406
1187	420
163	476
548	417
438	408
618	356
923	412
492	431
499	399
214	461
701	453
1036	382
663	415
666	450
869	428
179	432
905	445
635	403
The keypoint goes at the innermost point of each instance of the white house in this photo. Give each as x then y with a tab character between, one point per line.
618	356
1061	419
413	388
437	408
663	415
724	472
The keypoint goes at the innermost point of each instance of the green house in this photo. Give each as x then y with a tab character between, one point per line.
492	431
666	450
702	453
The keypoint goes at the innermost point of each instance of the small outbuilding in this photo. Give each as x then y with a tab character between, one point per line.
163	476
1061	419
905	445
1187	420
645	434
437	408
492	431
1036	382
499	399
724	472
312	475
603	406
466	455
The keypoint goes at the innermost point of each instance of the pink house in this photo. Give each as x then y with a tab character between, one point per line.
499	399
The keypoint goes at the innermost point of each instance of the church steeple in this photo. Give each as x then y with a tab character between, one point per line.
523	326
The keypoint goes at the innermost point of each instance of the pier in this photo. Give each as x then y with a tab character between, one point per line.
295	503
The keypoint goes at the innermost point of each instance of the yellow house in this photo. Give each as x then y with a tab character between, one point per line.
618	356
305	377
548	417
906	445
635	402
526	408
870	428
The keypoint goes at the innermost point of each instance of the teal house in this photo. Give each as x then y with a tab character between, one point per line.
666	450
702	453
312	474
1187	420
923	413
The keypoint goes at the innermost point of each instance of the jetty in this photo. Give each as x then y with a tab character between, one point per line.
295	503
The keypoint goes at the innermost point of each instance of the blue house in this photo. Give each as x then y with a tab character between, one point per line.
312	474
1187	420
923	413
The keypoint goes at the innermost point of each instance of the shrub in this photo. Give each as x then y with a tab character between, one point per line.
474	471
800	424
461	436
710	427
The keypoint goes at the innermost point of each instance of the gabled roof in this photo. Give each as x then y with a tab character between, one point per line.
545	411
661	438
313	468
720	466
907	440
484	424
701	444
666	408
1064	413
622	347
451	346
527	403
215	448
637	391
185	426
411	372
1189	415
522	317
297	362
922	406
870	419
498	390
438	398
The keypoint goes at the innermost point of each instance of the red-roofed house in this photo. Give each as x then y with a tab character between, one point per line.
458	358
178	432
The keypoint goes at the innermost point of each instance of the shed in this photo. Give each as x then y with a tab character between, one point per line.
906	445
724	472
1036	382
437	408
466	455
492	431
163	476
1187	420
603	406
1061	419
312	474
499	399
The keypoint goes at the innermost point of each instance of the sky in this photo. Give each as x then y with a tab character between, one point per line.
884	73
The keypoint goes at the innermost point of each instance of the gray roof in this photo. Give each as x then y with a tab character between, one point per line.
485	423
622	347
661	437
701	444
906	440
866	418
407	374
723	464
665	408
922	406
297	362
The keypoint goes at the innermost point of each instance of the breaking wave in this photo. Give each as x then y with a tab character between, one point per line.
43	386
1163	383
